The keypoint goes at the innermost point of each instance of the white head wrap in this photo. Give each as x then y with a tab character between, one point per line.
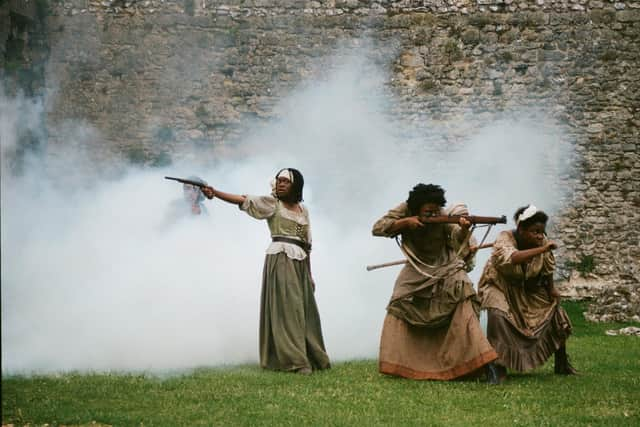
526	214
458	209
285	173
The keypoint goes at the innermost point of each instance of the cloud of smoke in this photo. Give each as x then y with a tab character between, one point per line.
100	278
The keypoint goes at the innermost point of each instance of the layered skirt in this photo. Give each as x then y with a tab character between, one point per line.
290	330
522	350
432	329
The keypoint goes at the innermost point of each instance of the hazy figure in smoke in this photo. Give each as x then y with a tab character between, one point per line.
432	329
189	205
525	322
290	331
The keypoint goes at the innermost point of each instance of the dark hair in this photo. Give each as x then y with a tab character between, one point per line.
539	216
297	185
425	193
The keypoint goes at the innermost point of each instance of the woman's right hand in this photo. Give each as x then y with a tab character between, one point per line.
411	223
550	246
208	192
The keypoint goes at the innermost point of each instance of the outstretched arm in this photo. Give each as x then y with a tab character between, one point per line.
235	199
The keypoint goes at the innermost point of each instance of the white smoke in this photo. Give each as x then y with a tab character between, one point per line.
97	279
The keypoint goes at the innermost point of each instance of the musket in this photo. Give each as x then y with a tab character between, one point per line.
454	219
404	261
187	181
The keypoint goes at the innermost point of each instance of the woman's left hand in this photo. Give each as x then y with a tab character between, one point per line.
464	223
208	192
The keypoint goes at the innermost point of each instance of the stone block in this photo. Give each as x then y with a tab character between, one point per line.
628	15
602	16
470	37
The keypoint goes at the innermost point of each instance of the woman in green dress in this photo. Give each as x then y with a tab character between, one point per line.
290	331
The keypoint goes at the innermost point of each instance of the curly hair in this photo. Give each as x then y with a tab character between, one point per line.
539	216
425	193
297	185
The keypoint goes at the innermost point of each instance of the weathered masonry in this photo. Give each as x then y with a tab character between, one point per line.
580	59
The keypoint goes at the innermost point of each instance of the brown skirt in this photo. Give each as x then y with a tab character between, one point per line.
443	353
521	351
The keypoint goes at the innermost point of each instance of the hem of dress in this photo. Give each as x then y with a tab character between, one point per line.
551	336
292	368
461	370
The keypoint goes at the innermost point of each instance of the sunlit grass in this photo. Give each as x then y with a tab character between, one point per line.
606	392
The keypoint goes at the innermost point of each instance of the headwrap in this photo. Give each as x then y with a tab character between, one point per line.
284	173
458	209
526	214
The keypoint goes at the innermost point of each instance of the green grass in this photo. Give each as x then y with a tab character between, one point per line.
606	393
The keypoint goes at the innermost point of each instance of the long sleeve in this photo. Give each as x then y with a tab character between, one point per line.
259	207
548	263
458	234
382	226
503	248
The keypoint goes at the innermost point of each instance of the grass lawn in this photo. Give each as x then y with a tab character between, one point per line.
607	392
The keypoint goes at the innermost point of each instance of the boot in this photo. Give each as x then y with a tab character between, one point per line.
561	365
493	374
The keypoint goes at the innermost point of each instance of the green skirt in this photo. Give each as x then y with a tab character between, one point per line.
290	331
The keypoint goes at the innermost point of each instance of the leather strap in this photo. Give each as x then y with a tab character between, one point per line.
304	245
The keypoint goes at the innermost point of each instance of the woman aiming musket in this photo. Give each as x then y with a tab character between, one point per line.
466	249
432	329
290	331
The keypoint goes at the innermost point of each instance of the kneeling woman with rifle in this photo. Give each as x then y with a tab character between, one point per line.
290	331
432	329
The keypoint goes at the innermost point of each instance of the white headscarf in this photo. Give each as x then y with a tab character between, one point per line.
284	173
458	209
526	214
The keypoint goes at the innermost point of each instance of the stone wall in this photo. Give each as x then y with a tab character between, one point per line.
121	65
23	48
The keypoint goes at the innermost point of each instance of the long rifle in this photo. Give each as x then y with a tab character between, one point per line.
404	261
455	219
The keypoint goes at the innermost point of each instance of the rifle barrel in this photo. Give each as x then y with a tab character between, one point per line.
454	219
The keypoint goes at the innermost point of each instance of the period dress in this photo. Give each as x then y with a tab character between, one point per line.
431	330
290	331
525	323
